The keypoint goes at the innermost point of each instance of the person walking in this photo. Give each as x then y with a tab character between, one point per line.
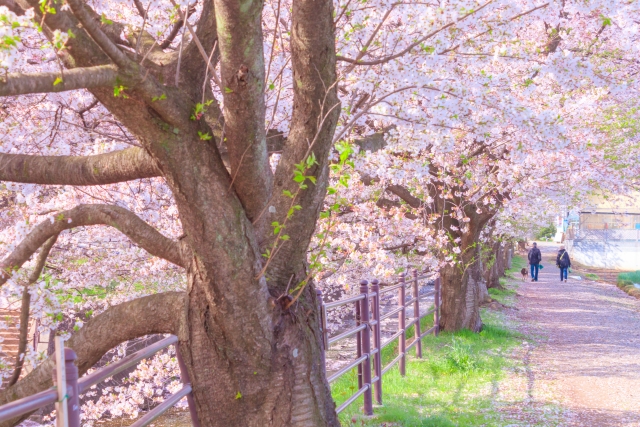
535	257
563	262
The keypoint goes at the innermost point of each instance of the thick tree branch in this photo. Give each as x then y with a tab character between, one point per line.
405	195
26	306
122	219
313	123
154	314
140	7
77	78
242	66
118	166
101	39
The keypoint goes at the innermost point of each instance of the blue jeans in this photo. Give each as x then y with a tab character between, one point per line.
563	272
534	271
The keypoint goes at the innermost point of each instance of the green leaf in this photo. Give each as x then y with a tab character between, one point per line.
105	20
228	90
238	395
176	131
284	237
287	193
57	81
204	136
159	98
118	91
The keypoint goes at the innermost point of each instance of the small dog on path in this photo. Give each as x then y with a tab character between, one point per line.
525	274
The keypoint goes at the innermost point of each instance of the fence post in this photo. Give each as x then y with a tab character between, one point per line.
377	358
186	380
359	343
73	398
402	339
416	314
62	410
436	303
366	347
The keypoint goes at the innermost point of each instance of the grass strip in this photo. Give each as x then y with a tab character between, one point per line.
453	384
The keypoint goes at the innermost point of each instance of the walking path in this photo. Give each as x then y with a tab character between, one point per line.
588	348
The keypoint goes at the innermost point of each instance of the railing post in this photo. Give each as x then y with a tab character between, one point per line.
359	343
402	339
366	347
377	358
416	314
62	410
186	380
436	313
73	397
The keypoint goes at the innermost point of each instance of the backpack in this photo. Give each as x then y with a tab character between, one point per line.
561	260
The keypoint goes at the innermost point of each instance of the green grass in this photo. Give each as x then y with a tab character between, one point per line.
626	283
592	276
451	385
631	278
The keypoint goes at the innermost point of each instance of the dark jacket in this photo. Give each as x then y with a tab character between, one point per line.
563	260
535	256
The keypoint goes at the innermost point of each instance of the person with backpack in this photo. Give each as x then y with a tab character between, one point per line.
563	262
535	257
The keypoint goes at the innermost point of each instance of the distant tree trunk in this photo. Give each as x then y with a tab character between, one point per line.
492	270
522	246
508	256
462	294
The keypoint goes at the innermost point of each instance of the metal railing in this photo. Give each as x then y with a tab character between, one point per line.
67	396
369	322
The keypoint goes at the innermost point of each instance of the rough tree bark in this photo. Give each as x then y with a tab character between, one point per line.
253	357
463	290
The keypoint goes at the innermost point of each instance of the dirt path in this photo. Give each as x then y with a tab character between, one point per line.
588	346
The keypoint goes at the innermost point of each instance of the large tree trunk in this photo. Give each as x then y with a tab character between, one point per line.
461	294
240	378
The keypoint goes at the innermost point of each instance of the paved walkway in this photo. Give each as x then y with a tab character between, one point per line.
590	346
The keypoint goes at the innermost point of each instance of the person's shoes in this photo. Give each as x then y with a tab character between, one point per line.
565	280
533	280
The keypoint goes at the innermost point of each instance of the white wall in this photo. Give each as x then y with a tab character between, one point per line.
618	255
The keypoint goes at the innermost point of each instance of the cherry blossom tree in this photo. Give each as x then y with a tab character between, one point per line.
182	154
253	357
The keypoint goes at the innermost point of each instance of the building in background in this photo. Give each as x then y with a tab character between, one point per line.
606	234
